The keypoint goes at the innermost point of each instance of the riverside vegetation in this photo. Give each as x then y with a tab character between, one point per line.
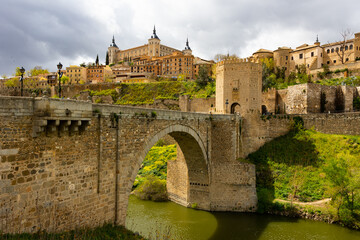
306	166
106	232
293	172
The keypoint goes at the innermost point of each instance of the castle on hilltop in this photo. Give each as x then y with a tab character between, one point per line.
157	59
315	56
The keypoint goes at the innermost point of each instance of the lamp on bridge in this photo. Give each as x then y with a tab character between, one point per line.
226	103
59	66
22	71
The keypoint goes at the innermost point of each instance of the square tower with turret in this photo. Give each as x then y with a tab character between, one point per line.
238	87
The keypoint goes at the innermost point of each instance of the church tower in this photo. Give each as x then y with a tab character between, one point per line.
112	51
154	45
187	50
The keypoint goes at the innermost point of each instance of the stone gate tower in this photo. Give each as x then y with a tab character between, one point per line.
238	87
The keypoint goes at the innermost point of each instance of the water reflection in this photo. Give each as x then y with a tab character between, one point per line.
150	218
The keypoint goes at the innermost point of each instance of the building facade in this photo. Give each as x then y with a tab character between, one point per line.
313	56
76	74
152	49
155	58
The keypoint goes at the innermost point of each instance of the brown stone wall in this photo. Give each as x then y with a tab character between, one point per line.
338	123
281	96
269	100
296	102
67	164
233	182
330	97
204	105
313	98
177	181
53	181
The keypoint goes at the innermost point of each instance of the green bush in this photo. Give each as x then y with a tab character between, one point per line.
153	189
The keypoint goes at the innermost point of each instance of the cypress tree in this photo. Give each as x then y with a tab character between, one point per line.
97	60
107	58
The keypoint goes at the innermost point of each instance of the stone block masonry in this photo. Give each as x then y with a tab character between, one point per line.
67	164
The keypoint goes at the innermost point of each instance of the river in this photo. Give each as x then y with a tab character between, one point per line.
156	220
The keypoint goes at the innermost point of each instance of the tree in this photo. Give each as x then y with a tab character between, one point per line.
82	64
65	79
17	71
219	57
344	183
107	58
37	71
97	60
343	52
203	77
13	82
3	76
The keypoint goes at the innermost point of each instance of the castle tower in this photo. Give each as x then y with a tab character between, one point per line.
112	51
317	43
238	87
154	45
187	50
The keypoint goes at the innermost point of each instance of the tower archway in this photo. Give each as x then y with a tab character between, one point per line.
235	108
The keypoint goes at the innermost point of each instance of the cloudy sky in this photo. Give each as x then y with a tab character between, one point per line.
43	32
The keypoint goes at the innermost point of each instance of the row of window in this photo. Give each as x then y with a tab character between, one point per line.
75	70
341	48
94	70
94	75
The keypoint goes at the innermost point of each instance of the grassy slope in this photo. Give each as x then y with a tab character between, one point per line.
145	93
293	165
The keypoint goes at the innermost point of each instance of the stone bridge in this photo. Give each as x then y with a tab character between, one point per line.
67	164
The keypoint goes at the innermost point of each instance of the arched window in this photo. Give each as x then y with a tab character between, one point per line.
328	51
346	48
337	49
351	47
332	50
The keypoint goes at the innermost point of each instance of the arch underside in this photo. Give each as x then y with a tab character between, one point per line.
188	177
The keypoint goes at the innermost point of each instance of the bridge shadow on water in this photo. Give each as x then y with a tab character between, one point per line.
247	226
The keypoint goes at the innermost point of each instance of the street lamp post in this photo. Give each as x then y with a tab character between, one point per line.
59	66
226	103
22	70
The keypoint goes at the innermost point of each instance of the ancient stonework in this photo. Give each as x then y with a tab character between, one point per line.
68	164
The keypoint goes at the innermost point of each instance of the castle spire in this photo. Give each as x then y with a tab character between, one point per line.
113	42
187	47
154	34
317	38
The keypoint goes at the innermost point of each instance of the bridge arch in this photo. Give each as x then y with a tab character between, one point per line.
189	183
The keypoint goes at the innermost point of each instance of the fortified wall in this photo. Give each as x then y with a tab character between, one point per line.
310	98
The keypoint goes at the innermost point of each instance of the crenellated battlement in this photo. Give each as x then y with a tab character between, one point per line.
238	60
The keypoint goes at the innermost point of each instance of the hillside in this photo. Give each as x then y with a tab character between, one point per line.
146	93
306	166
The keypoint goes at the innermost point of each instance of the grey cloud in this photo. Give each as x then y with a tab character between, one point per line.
43	33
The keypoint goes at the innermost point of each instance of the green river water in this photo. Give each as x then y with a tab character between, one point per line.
157	220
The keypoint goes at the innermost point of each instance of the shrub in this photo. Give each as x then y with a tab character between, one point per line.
153	189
